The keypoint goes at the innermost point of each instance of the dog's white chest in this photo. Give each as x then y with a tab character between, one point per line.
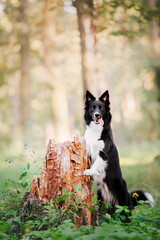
92	136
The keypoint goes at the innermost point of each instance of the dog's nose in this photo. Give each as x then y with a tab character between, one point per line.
97	115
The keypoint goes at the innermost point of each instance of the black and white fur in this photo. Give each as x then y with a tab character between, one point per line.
105	167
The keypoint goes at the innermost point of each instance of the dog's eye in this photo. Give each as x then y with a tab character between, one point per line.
101	108
92	108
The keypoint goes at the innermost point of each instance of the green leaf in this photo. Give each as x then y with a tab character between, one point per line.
77	188
24	185
17	220
122	217
92	209
142	224
119	210
94	199
28	165
141	202
62	198
108	216
23	175
72	194
65	191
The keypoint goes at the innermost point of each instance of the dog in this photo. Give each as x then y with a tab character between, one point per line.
105	168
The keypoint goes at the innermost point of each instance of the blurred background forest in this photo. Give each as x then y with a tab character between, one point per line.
52	51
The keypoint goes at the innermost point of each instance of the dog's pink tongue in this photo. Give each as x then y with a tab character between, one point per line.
101	121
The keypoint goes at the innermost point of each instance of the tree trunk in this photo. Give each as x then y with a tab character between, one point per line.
25	70
88	44
59	94
16	109
60	112
63	168
154	31
155	40
49	33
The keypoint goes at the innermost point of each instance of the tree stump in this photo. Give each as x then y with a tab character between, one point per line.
63	168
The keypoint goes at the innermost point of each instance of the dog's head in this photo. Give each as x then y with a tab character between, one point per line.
97	110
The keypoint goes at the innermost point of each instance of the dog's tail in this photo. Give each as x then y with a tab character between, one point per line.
137	195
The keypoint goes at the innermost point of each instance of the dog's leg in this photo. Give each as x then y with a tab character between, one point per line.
98	166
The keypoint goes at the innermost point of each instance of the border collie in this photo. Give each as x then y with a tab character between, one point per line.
105	168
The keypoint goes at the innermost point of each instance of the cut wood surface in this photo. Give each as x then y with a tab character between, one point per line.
63	168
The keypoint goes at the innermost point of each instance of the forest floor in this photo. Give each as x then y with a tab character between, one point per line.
140	170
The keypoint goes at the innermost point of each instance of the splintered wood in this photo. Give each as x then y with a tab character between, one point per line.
63	168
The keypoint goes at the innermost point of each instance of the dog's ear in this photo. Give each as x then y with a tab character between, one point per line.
105	96
89	97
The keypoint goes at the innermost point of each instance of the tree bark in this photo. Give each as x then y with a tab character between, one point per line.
25	70
154	31
155	40
16	108
88	45
59	94
63	168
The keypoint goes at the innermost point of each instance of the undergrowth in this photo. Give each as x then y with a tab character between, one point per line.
58	222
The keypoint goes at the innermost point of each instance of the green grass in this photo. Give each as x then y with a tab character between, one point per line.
146	176
12	166
138	154
139	170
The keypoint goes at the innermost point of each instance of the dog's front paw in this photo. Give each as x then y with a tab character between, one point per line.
87	172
